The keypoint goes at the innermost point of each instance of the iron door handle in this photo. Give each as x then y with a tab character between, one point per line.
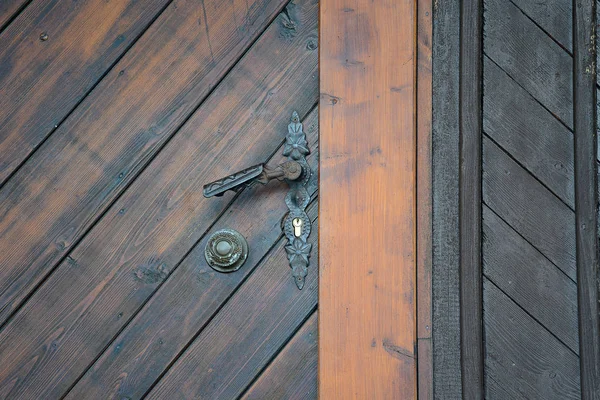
296	224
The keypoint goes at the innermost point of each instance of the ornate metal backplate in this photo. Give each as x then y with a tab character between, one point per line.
296	224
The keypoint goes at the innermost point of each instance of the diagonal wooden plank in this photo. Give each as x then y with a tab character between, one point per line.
554	17
62	190
530	280
293	374
42	81
69	321
526	130
530	57
528	207
193	293
522	358
9	9
245	335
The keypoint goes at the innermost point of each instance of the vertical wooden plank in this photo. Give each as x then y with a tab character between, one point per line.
445	229
367	239
471	121
586	194
424	248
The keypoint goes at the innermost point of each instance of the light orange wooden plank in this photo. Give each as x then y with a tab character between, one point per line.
367	317
424	210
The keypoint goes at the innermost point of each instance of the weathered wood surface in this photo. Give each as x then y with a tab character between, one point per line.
293	374
531	209
193	293
144	235
445	193
367	200
9	9
524	354
42	81
586	194
532	135
554	17
246	334
470	124
530	279
530	57
424	198
62	190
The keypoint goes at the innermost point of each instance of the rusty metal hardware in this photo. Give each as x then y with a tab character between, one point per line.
226	250
296	224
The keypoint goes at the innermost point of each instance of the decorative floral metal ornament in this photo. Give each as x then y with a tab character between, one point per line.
296	224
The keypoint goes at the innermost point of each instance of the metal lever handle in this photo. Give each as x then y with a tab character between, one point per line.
260	173
296	172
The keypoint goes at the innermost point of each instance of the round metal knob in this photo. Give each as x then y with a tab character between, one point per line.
226	250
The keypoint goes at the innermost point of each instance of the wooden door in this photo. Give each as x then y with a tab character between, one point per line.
113	115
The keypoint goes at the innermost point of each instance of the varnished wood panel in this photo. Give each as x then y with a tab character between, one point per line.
367	321
586	194
146	233
42	81
424	206
246	334
9	9
293	374
63	189
194	293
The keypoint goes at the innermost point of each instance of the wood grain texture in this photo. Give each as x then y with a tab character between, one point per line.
526	130
530	57
9	9
445	231
523	360
136	245
586	194
62	190
529	279
293	374
192	294
42	81
554	17
246	334
471	132
367	300
424	214
526	205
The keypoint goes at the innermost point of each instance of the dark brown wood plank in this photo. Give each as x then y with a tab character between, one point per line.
527	206
193	293
526	130
368	199
530	57
71	319
586	194
246	334
471	131
445	230
530	280
9	9
523	360
42	81
424	214
293	374
555	17
62	190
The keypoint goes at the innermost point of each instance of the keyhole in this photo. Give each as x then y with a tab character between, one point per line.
297	223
